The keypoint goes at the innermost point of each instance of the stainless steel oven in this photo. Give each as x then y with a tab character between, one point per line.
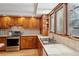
13	43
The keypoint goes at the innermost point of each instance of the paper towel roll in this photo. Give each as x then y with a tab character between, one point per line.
1	45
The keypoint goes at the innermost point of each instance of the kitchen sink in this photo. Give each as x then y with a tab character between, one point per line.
48	41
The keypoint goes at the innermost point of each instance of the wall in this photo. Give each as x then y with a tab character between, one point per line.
24	31
4	31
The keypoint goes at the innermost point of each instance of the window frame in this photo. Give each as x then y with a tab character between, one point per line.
75	36
57	8
65	23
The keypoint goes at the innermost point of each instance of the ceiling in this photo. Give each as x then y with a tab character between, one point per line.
26	9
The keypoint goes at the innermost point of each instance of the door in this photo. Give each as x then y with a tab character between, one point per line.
28	42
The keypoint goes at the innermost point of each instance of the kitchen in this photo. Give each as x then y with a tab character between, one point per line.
32	29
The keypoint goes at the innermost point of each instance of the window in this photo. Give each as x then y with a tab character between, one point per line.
59	21
73	19
52	23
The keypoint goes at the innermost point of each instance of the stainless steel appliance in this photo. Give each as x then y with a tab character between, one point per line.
14	33
13	41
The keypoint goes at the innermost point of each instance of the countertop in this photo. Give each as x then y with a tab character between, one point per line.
3	35
40	36
54	49
58	49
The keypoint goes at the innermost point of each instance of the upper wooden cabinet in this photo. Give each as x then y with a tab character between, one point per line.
34	23
44	25
29	23
5	22
25	22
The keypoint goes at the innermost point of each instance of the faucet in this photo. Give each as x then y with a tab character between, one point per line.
52	40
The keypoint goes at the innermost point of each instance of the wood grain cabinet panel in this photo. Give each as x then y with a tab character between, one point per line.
25	22
40	48
5	22
28	42
3	40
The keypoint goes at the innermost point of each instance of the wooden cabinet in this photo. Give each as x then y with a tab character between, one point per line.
39	47
25	22
44	52
30	23
5	22
3	41
34	24
44	25
28	42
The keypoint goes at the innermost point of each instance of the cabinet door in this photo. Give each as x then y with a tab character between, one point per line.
44	52
3	40
0	23
24	43
26	23
40	48
34	23
28	42
34	42
5	22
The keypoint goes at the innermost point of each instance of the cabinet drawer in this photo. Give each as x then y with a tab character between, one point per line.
2	40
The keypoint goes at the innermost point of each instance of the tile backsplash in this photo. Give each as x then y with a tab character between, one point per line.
24	31
4	31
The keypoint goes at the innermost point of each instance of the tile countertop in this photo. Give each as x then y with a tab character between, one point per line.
58	49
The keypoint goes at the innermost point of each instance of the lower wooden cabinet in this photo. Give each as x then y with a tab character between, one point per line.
40	48
2	43
44	53
28	42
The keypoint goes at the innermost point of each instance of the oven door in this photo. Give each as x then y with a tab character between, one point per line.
12	42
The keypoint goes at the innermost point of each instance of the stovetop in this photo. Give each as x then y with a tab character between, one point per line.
13	37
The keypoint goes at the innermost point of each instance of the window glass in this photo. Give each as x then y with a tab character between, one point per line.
59	21
73	19
52	23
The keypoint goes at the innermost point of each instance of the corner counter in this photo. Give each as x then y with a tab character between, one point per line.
57	49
